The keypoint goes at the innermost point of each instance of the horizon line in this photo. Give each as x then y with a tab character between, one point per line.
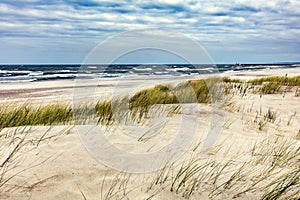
237	63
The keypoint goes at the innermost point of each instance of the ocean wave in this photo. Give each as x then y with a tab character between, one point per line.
30	73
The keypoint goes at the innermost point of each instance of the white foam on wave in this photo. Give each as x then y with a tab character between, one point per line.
14	72
17	81
56	76
178	69
36	73
142	69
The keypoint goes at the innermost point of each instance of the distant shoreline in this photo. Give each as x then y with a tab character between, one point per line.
46	73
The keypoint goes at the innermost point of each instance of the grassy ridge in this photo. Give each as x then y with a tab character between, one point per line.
280	80
273	84
139	104
192	91
195	91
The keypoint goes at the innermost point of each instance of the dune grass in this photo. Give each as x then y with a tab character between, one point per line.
142	101
104	112
22	115
273	84
270	88
194	91
231	80
261	173
138	105
281	80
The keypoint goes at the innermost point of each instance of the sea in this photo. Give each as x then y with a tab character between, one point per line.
33	73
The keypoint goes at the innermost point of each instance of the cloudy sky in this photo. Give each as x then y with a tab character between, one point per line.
65	31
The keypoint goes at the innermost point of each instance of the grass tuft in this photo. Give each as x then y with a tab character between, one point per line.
270	88
23	115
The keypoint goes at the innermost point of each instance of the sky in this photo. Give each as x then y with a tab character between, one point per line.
230	31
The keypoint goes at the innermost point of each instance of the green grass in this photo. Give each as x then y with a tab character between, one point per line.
141	102
194	91
231	80
273	84
270	88
104	112
29	115
280	80
138	105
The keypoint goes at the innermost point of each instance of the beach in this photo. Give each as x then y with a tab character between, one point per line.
258	145
47	91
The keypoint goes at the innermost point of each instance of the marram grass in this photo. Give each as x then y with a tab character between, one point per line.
138	105
22	115
280	80
273	84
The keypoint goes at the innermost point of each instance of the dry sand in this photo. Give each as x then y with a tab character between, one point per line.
54	164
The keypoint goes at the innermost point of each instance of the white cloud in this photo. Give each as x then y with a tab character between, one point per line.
205	20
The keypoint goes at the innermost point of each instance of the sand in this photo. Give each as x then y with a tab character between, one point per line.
49	91
53	163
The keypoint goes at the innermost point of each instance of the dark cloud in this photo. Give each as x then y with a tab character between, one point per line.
165	7
245	9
